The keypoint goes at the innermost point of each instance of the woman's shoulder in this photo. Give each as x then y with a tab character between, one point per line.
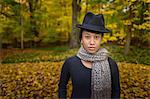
113	65
72	59
111	61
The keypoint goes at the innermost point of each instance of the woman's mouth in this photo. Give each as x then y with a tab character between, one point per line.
91	47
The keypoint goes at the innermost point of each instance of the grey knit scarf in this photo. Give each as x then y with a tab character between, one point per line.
101	76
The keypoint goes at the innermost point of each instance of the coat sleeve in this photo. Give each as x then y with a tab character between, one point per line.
115	79
64	77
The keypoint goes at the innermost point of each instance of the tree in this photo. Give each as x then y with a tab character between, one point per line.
13	25
130	13
21	24
74	41
141	24
34	5
57	25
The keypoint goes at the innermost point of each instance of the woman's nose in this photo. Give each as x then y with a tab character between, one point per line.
92	41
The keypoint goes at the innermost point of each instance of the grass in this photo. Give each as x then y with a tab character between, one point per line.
55	48
136	55
60	53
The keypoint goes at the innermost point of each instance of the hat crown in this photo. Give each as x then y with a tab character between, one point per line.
94	23
95	20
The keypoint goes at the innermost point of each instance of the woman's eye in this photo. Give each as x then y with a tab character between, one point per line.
97	37
87	37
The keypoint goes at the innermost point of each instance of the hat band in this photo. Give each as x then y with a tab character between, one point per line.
93	26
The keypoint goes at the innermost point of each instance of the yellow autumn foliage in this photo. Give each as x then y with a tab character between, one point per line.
27	80
145	25
147	1
127	22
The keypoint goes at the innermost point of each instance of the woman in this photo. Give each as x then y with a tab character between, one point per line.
94	75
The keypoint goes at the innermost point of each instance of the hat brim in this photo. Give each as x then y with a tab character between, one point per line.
93	28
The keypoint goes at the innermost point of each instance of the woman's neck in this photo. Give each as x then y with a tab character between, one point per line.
87	64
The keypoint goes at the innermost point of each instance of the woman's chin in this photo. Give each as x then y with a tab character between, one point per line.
92	51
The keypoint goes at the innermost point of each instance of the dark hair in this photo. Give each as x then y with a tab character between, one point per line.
81	31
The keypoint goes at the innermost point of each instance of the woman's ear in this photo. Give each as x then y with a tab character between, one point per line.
81	41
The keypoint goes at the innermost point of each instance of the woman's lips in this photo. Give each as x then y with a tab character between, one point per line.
91	47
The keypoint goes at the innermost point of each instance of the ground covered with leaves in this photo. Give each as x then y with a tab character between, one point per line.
26	80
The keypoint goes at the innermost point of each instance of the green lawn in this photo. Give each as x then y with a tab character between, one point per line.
60	53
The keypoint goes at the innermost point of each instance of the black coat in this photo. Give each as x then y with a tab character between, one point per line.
81	79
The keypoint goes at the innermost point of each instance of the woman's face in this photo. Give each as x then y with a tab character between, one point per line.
91	41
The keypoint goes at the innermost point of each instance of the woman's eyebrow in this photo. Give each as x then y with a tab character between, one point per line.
97	34
87	33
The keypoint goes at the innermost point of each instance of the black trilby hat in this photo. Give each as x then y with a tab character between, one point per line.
94	23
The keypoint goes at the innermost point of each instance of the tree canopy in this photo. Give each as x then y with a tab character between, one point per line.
37	22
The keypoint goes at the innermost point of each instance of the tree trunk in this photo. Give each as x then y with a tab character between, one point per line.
129	32
0	49
33	5
22	39
100	6
21	23
74	35
0	42
141	22
86	6
22	32
128	39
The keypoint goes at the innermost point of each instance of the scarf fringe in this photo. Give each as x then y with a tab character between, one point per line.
101	94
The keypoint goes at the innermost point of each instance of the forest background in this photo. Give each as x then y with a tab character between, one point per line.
36	36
